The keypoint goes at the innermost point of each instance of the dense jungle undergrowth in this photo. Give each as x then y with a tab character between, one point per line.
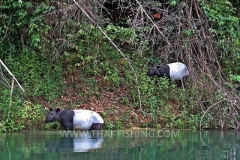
95	55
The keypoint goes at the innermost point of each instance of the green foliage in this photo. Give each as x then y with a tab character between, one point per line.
20	25
222	14
43	58
38	75
167	104
235	77
15	11
91	52
17	116
173	2
120	33
31	116
225	24
9	121
109	125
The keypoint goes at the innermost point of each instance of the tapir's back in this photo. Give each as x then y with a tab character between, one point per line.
83	119
178	70
96	118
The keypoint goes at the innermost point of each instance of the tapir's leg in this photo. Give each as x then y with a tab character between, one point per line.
182	83
67	126
96	126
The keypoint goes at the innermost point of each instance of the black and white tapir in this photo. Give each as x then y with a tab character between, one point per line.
85	141
76	119
174	71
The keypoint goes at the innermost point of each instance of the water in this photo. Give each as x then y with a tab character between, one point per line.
128	144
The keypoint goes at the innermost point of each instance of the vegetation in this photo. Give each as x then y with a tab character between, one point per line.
62	53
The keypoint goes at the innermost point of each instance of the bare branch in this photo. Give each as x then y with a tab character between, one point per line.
128	61
10	73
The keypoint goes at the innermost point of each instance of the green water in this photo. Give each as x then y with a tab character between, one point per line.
128	144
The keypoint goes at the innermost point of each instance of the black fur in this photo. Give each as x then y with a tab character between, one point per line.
160	71
96	126
66	119
164	70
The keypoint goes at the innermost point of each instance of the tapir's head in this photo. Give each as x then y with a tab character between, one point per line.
52	115
154	70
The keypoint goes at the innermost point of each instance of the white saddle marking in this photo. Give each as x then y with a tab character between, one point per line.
83	119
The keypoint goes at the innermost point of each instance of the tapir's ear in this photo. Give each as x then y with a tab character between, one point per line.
50	109
150	64
58	109
158	66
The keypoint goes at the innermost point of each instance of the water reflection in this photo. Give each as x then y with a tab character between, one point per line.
83	141
128	144
219	144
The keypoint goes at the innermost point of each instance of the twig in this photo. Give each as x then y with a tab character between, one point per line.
6	32
11	92
128	61
180	34
155	25
9	72
200	127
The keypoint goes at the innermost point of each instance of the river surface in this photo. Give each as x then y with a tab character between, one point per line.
144	144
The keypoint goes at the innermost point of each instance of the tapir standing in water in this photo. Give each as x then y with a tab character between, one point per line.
76	119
